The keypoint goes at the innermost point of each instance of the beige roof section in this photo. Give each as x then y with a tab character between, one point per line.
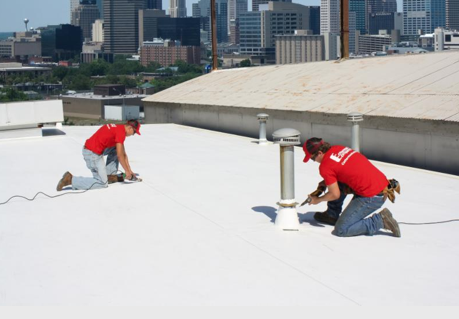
424	86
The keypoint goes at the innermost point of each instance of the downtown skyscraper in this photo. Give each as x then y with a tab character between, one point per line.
155	4
256	3
177	8
423	16
329	16
452	14
121	25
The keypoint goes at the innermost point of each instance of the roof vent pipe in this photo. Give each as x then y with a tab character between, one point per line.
355	118
262	118
287	216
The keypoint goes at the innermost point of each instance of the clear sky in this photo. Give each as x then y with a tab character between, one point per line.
45	12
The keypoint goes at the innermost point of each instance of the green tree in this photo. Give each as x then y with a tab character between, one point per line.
184	67
245	63
99	67
128	82
60	72
79	82
152	67
122	66
10	95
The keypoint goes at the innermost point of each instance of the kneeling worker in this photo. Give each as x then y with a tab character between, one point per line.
108	140
347	171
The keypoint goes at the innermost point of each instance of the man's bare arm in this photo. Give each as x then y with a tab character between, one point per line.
332	194
123	159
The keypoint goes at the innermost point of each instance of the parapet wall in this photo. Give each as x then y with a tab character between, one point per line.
426	144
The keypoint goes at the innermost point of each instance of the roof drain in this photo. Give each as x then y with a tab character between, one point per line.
262	118
355	118
287	216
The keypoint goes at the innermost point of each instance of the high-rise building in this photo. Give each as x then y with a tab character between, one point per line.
381	21
375	6
221	8
201	9
329	16
452	14
423	16
121	25
275	18
256	3
73	5
332	46
154	4
438	14
300	47
352	28
314	19
98	31
61	42
177	8
234	31
148	24
100	6
398	22
84	16
361	16
235	8
282	18
185	30
250	33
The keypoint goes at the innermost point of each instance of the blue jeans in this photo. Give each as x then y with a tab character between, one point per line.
352	221
335	207
98	168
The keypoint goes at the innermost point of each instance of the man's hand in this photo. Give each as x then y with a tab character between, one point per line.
314	200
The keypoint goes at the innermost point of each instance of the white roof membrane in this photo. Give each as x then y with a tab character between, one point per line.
199	230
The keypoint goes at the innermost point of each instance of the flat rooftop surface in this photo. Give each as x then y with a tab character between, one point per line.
199	230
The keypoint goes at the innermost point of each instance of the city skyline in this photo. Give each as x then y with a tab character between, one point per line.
52	12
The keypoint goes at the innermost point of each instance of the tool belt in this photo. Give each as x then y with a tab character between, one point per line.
391	188
388	192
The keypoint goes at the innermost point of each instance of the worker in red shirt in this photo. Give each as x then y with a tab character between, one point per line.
107	141
347	171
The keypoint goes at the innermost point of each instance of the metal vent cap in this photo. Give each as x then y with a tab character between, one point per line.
355	117
262	116
286	136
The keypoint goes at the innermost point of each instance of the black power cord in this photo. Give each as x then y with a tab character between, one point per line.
430	223
49	196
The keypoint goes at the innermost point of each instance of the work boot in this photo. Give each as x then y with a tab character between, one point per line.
324	218
66	180
389	222
115	179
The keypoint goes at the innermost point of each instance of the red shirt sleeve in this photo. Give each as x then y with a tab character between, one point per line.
120	135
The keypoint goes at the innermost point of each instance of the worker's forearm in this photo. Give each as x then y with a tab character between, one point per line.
328	197
125	163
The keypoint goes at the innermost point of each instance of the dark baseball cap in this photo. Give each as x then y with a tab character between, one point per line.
311	146
135	125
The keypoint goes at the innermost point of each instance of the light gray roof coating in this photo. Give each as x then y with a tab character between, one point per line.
423	86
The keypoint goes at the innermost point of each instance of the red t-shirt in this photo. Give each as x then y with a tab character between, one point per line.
343	164
105	137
